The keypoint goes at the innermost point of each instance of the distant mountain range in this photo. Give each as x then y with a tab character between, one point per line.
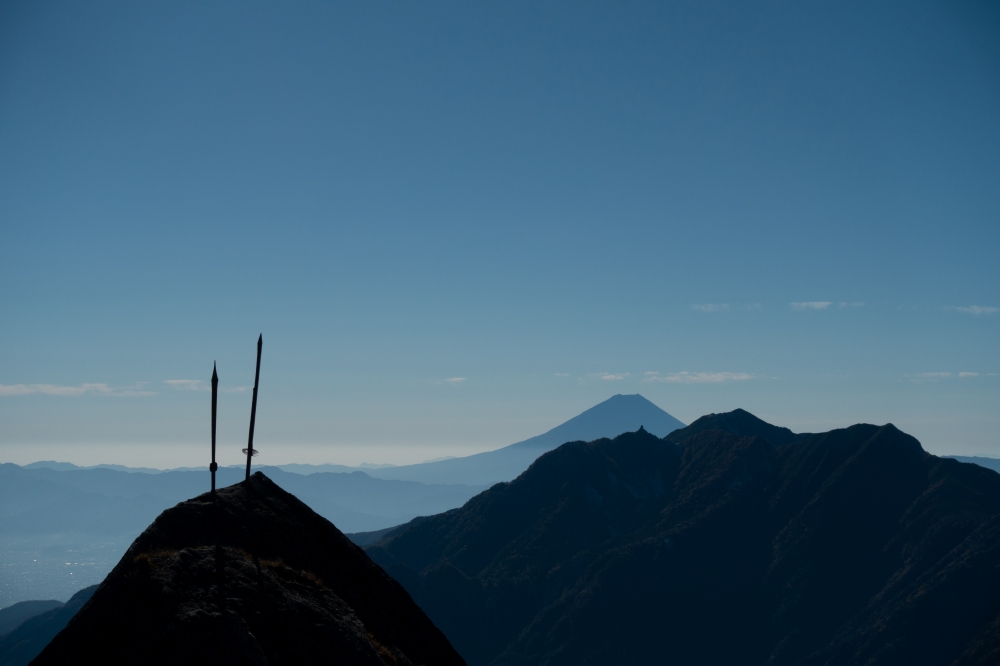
50	510
988	463
618	414
12	616
728	541
294	468
731	541
39	622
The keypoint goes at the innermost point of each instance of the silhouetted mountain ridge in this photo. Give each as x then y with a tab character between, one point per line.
19	646
15	614
248	576
617	414
718	545
743	423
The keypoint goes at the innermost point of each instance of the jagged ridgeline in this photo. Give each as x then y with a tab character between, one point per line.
249	576
731	541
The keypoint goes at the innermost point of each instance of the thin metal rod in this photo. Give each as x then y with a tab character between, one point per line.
253	405
215	404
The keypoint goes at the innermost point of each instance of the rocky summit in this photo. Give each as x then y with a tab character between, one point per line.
250	575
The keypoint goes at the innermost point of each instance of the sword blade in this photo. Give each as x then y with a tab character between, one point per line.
253	405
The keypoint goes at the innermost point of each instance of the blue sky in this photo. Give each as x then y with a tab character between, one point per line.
458	225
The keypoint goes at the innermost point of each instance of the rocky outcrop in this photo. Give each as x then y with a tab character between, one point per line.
250	575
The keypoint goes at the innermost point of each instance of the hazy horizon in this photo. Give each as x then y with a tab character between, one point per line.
135	456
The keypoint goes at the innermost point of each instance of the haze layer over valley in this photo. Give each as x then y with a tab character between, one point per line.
63	528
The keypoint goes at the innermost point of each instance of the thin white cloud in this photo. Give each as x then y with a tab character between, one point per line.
82	389
186	384
755	307
237	389
454	380
852	304
929	376
612	377
810	305
562	374
977	310
968	374
710	307
686	377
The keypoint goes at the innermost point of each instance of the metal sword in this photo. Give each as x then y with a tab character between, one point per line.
215	403
253	408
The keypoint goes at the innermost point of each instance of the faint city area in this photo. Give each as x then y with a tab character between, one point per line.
55	567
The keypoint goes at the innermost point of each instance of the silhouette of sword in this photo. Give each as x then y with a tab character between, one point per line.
215	402
253	408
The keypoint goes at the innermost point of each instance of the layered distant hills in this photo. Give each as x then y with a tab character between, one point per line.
63	527
63	530
618	414
39	622
730	541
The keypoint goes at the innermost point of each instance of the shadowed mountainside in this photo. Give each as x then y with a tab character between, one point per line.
251	576
617	414
718	545
22	644
15	614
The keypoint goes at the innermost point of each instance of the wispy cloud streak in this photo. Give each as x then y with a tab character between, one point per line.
186	384
72	391
725	307
935	376
608	376
977	310
810	305
686	377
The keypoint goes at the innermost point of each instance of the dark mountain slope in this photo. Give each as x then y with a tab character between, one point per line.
739	422
848	547
23	644
15	614
250	576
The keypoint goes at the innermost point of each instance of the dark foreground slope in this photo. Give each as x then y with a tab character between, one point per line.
252	576
716	545
24	642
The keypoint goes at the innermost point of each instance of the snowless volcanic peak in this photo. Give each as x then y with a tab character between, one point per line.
250	575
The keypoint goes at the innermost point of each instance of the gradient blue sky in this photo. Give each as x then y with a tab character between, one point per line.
458	225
